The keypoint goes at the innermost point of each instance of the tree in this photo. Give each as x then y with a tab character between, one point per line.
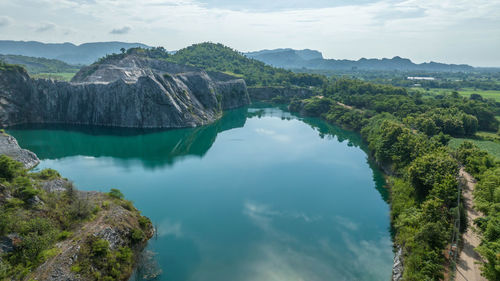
430	169
122	50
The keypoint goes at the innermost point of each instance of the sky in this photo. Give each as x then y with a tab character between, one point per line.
450	31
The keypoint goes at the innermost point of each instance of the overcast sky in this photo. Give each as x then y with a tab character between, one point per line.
452	31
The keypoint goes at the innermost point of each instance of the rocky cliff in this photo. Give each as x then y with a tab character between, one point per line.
124	91
9	147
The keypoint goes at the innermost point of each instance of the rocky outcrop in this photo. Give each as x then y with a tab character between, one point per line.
268	93
10	147
114	220
397	268
128	91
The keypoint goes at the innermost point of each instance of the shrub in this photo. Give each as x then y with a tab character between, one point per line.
116	193
100	247
9	168
63	235
48	174
137	235
144	222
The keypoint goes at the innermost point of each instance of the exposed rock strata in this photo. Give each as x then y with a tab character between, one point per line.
133	91
10	147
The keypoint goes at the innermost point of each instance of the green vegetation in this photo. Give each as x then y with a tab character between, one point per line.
34	219
217	57
407	135
490	146
10	67
42	67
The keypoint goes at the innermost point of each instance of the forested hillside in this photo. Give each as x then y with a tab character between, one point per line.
217	57
40	65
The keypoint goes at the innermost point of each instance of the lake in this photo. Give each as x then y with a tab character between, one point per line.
259	195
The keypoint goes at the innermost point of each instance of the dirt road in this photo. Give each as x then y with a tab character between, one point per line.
467	267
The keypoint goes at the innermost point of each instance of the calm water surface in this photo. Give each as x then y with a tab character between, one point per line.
259	195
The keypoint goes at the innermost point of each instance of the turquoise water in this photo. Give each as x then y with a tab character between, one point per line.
259	195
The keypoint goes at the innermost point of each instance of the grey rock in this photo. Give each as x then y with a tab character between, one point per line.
57	185
8	243
10	147
35	200
397	268
133	91
112	236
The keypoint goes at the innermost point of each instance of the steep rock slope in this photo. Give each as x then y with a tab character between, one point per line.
124	91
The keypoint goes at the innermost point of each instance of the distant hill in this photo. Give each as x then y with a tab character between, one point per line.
217	57
73	54
40	65
296	59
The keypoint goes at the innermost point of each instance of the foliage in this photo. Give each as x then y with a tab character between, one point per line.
431	169
36	225
116	193
217	57
40	65
9	168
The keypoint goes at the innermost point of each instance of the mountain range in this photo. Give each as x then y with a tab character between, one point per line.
88	53
314	60
67	52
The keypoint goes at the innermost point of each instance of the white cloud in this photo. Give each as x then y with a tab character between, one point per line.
422	30
45	27
4	21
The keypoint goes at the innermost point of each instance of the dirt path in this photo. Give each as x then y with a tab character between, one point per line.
467	267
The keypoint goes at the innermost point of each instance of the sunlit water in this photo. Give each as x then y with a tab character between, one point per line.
260	195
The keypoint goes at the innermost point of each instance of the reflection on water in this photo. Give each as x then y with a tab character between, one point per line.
259	195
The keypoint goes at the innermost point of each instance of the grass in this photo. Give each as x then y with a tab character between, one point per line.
491	147
466	92
61	76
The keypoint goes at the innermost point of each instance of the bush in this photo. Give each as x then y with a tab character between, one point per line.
144	222
116	193
9	169
100	248
48	174
137	235
63	235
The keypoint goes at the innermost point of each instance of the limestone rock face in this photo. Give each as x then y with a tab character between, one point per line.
130	91
10	147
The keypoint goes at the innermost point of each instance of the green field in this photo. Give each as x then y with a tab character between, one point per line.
466	92
62	76
490	146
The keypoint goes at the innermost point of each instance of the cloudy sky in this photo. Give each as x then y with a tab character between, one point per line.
453	31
